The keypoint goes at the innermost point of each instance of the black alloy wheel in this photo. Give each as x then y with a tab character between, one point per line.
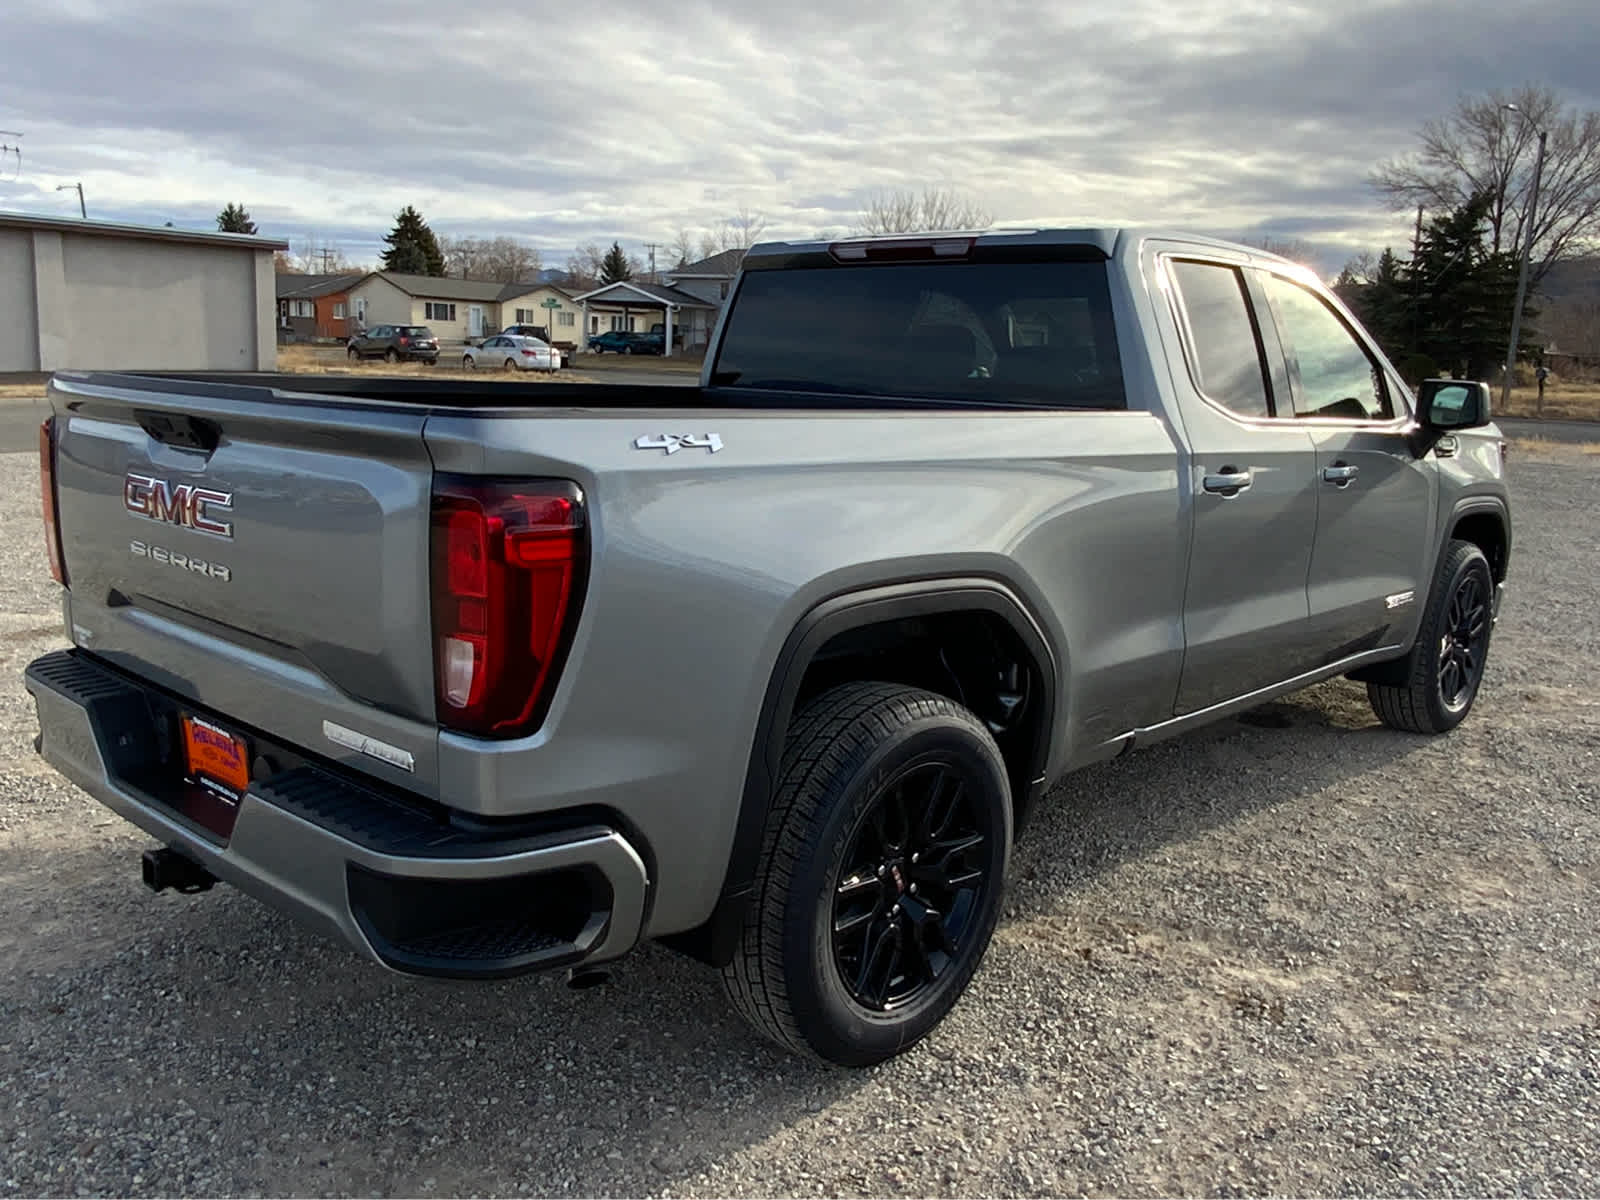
881	874
1464	642
1432	689
914	878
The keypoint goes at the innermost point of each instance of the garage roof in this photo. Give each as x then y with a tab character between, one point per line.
306	287
154	233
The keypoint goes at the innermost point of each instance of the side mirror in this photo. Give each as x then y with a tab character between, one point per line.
1449	404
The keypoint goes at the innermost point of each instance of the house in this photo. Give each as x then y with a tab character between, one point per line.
97	295
540	304
635	307
314	307
459	309
709	279
455	309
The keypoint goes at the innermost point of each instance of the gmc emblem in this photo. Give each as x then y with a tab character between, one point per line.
185	505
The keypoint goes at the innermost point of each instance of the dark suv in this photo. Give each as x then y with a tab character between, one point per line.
395	342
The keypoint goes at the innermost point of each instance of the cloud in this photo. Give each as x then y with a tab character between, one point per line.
563	126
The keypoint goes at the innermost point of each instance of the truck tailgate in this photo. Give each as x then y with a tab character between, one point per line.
262	556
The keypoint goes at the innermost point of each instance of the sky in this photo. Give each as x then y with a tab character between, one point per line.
570	123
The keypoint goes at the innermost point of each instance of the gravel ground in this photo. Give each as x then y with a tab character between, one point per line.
1293	953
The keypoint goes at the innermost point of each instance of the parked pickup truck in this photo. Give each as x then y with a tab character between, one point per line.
486	678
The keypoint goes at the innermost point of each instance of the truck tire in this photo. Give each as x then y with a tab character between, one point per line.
1441	674
881	874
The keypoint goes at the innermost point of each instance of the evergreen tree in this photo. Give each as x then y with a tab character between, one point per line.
413	249
235	218
1464	292
1448	308
614	268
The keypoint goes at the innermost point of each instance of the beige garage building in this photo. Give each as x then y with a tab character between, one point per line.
96	295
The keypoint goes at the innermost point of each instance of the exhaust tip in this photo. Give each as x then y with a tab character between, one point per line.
166	868
581	979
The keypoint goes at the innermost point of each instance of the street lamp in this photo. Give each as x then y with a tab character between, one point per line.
1522	275
67	187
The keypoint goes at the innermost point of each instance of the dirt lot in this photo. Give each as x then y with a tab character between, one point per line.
1294	953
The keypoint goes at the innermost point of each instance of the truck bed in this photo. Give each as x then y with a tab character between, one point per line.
454	394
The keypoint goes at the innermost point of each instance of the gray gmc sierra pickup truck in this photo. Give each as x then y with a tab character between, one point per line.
482	678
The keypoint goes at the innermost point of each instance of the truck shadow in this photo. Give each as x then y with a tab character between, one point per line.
286	1065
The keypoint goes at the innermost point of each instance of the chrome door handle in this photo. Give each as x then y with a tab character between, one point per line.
1340	474
1227	482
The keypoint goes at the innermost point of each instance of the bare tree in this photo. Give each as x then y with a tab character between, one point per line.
681	251
743	229
318	256
709	245
1572	324
583	267
1359	269
1293	249
925	211
501	259
1481	148
511	261
460	255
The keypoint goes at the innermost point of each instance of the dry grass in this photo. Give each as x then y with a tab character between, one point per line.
1546	450
1562	401
22	385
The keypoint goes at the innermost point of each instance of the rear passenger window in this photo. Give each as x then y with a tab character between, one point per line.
1336	377
1223	350
1033	332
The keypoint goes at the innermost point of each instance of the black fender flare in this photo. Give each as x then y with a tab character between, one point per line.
1469	506
716	940
1395	671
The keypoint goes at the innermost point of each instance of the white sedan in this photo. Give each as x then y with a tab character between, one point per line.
512	354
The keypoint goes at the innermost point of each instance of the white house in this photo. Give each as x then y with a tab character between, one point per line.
545	304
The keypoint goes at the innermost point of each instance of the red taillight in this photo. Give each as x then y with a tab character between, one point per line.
530	354
47	491
405	341
508	566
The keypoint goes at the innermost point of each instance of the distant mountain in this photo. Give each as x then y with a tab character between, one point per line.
1577	278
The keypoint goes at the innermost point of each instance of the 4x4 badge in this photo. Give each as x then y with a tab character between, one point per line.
673	442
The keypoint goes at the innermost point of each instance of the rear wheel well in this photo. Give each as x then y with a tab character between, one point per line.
970	640
972	656
1488	532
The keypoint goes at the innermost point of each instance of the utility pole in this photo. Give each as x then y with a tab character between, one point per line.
1416	298
67	187
7	148
327	255
651	246
1522	275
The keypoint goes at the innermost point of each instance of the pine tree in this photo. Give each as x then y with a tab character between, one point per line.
614	267
1465	292
413	249
235	218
